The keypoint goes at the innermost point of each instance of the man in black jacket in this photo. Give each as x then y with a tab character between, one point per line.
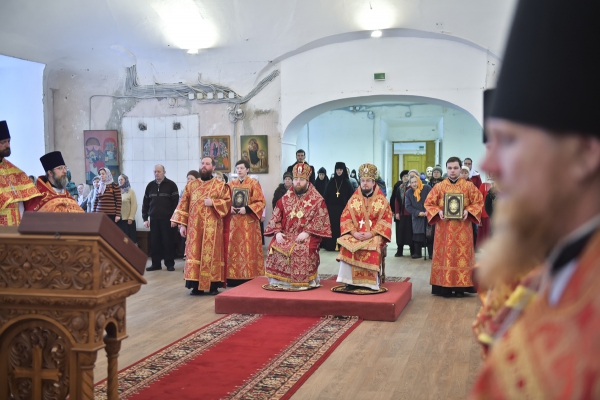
160	201
301	158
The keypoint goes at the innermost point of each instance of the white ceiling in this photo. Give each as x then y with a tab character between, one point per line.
78	34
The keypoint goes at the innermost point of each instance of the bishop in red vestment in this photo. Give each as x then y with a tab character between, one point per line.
453	253
366	226
53	187
299	222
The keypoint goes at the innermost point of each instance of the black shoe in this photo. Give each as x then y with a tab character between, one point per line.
398	254
170	268
153	268
213	292
415	256
460	294
196	292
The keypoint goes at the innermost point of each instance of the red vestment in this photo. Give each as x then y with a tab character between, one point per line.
245	259
548	351
297	262
15	186
454	253
204	251
50	201
365	214
484	229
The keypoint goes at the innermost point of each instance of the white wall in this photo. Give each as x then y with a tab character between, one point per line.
338	136
453	73
177	150
21	105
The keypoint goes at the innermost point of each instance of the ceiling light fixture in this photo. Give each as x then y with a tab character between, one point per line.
376	33
192	51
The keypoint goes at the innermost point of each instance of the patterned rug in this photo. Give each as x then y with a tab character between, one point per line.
187	361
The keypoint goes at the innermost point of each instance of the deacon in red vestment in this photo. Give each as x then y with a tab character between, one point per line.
366	226
545	341
53	187
454	252
199	214
15	185
245	259
299	222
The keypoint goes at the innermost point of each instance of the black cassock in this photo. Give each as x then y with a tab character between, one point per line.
336	204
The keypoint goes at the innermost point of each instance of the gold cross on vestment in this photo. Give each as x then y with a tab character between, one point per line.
361	223
293	214
37	374
337	194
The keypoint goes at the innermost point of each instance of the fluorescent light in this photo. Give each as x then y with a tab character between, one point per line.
184	25
376	33
192	51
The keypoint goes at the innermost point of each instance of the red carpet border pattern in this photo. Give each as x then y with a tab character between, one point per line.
172	357
286	373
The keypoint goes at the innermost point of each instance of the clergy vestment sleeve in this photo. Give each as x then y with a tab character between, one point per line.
222	204
182	212
475	204
275	223
256	202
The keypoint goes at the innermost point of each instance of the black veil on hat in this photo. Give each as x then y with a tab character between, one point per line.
342	166
4	132
548	77
52	160
487	108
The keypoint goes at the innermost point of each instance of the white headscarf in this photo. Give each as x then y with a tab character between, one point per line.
86	192
102	186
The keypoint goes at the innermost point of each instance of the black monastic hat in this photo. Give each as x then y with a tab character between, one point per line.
4	133
52	160
548	76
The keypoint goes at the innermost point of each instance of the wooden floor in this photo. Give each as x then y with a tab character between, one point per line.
428	353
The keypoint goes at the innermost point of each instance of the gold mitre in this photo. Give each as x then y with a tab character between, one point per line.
368	171
302	170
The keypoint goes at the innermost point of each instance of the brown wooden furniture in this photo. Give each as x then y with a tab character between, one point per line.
64	279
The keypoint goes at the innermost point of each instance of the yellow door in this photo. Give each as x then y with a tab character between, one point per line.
415	161
395	168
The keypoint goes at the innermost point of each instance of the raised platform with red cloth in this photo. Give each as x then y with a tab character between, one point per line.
251	298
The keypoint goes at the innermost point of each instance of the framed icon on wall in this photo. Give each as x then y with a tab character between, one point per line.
217	148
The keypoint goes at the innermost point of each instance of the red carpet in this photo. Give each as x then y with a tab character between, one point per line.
239	356
251	298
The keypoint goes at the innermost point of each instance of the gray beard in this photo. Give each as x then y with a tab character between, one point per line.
60	183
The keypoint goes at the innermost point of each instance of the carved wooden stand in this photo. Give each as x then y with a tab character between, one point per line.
62	298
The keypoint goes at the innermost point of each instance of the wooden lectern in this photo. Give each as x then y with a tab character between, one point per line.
64	279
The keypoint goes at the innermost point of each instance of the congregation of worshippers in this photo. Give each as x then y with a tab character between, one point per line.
438	214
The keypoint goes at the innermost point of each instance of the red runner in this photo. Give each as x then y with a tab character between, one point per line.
234	358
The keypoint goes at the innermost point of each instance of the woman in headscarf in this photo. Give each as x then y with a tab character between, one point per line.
92	195
404	231
128	208
415	205
83	191
108	196
338	192
321	181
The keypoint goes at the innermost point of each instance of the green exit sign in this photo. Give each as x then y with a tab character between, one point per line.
380	76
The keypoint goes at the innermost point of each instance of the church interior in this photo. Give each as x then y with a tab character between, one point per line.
396	83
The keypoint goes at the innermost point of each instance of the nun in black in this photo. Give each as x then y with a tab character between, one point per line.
338	192
321	181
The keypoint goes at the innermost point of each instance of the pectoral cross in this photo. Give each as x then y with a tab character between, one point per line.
37	374
361	223
337	194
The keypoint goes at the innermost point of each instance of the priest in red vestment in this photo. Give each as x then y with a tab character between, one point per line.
544	342
245	259
199	214
15	185
53	187
366	226
454	252
299	222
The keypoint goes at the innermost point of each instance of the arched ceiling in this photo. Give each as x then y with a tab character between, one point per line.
79	34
